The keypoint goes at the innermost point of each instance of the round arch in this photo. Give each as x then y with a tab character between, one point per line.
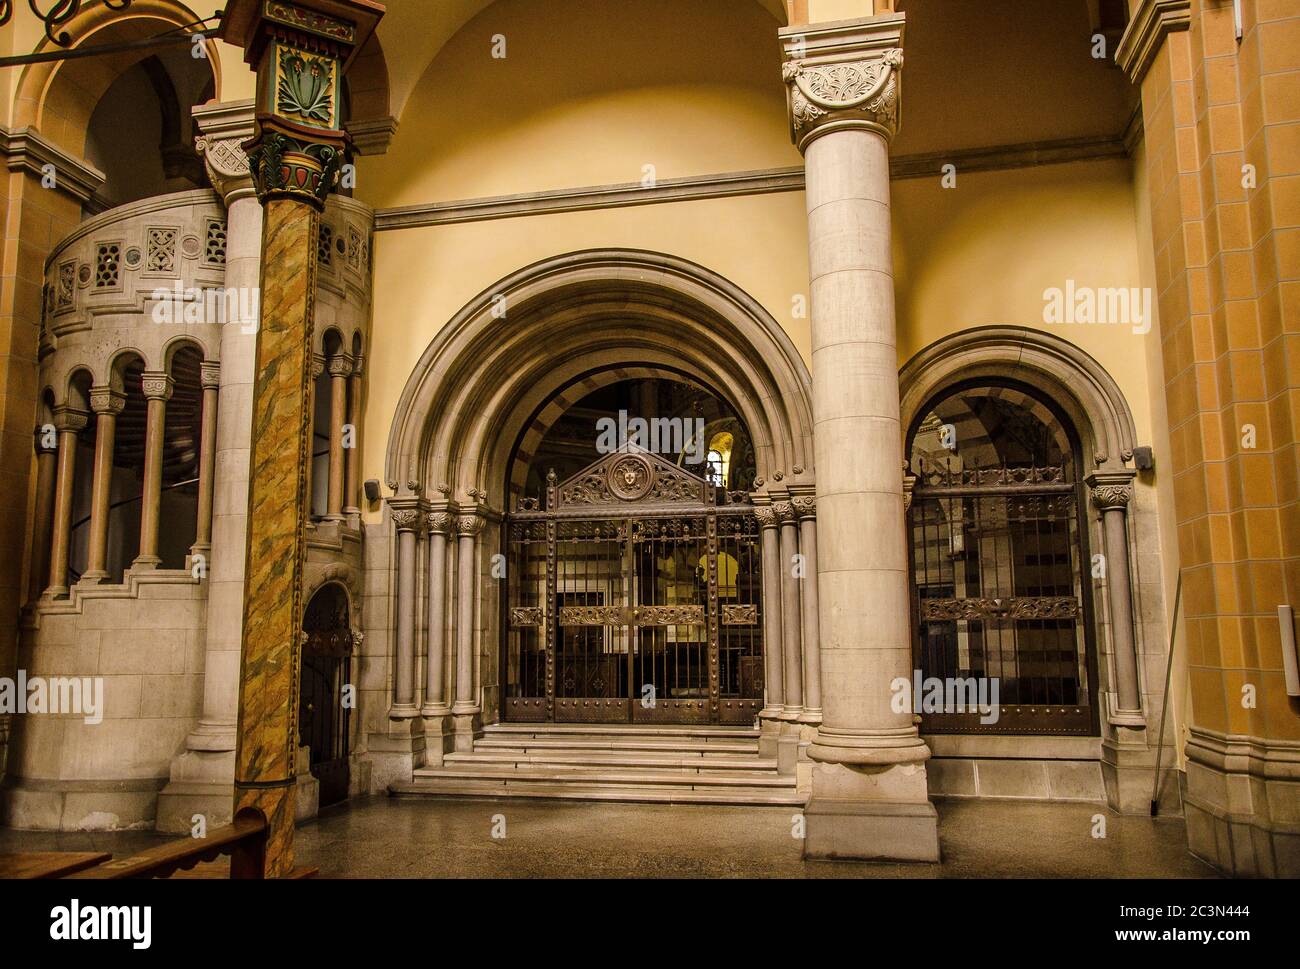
58	97
515	348
1066	374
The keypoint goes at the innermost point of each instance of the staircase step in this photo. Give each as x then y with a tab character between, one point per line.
662	776
596	744
618	730
580	792
722	761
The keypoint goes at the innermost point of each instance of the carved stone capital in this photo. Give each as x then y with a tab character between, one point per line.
844	75
106	400
157	386
469	526
340	366
210	375
785	511
767	516
805	507
69	419
225	127
317	366
406	519
1111	492
441	522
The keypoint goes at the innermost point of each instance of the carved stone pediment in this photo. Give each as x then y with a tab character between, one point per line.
633	476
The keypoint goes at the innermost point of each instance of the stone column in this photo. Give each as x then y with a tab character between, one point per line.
157	391
806	508
294	159
210	379
340	368
351	456
465	711
309	487
869	798
1111	494
107	403
791	623
47	463
773	656
69	423
203	775
407	522
436	712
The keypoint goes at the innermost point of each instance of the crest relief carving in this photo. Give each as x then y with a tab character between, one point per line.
632	476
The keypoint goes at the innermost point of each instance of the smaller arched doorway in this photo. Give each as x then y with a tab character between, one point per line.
999	554
324	706
634	564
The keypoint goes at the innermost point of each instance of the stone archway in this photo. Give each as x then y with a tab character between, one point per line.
487	388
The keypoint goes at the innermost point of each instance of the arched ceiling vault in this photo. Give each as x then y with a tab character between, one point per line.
412	34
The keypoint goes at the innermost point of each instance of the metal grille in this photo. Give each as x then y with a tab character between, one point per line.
634	597
998	593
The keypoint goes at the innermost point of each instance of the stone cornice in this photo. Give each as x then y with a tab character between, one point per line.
844	75
25	150
372	137
1146	32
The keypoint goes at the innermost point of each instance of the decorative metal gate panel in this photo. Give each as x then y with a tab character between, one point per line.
633	597
997	557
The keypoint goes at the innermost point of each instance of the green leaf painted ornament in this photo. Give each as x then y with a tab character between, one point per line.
306	86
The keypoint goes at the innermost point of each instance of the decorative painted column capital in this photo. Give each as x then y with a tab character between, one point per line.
106	400
844	75
1111	491
210	375
157	386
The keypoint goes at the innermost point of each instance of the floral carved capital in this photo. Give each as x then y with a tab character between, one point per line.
1108	497
861	92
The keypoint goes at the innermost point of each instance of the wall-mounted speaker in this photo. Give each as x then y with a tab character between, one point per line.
372	490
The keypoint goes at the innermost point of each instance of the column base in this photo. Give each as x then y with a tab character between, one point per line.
202	783
466	728
438	733
769	733
871	814
1128	771
146	563
394	755
93	578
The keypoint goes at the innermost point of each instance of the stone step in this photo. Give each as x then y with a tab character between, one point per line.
757	797
605	776
618	730
708	759
597	744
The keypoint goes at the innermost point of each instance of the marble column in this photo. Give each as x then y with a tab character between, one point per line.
869	796
406	521
47	464
294	160
791	624
351	457
106	403
1111	494
203	775
806	508
157	391
466	714
210	380
773	655
436	711
69	423
340	368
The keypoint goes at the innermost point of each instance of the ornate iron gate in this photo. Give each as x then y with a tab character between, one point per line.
997	557
634	596
324	721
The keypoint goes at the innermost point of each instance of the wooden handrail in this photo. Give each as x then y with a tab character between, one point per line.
244	840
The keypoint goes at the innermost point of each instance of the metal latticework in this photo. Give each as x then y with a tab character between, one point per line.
634	597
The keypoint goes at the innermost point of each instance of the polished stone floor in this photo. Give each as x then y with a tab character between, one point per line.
452	838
